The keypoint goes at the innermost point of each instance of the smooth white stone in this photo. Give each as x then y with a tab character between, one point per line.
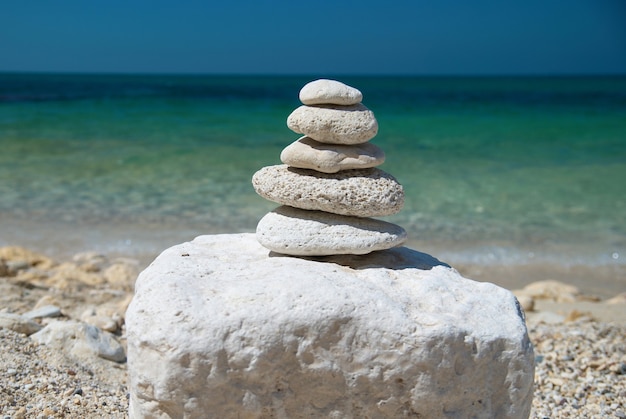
45	311
80	340
294	231
306	153
329	92
219	328
334	124
359	192
18	323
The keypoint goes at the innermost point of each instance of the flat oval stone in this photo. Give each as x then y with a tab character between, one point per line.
358	192
293	231
306	153
329	92
334	124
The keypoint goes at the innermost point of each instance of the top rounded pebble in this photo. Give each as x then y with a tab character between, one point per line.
329	92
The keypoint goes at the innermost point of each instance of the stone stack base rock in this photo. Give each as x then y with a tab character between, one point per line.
332	169
219	328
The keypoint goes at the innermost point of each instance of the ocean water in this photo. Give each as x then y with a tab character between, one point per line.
495	170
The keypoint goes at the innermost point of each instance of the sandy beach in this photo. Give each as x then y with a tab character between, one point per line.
578	339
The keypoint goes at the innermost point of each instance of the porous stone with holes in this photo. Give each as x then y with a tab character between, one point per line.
359	192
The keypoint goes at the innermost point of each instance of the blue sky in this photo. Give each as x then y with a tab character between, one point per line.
480	37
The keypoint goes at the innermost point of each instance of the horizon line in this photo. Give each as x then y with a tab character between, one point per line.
313	74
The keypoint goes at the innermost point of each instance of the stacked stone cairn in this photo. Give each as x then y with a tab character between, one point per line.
329	185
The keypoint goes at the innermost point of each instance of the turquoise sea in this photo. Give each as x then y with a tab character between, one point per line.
509	170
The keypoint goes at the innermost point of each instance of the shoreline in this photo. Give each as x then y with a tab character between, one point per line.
509	268
503	264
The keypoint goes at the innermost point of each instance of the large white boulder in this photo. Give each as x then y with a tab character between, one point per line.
221	328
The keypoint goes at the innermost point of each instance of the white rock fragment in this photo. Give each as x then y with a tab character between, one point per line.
19	324
329	92
229	331
90	316
293	231
44	311
360	192
306	153
80	340
334	124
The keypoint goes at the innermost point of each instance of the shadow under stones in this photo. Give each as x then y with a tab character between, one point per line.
396	259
